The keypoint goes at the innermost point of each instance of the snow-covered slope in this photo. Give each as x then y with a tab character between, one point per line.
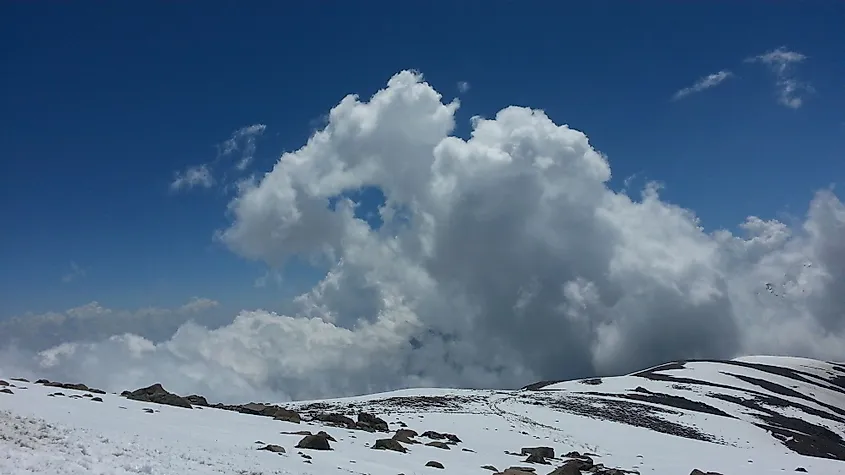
751	415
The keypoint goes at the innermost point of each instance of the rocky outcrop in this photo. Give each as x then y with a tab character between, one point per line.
545	452
74	386
369	421
158	395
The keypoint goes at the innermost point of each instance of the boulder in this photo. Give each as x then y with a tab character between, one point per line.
534	458
434	464
545	452
406	436
336	419
282	414
369	420
389	444
314	442
158	395
6	391
566	469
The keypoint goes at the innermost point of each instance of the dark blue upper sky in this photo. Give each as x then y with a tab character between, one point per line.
103	102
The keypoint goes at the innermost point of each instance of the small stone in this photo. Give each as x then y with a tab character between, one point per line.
6	391
273	448
314	442
490	467
97	399
801	469
434	463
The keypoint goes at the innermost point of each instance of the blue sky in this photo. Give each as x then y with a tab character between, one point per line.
102	104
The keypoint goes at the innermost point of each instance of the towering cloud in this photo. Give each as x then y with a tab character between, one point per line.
501	259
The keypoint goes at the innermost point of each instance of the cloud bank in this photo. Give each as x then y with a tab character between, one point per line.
502	259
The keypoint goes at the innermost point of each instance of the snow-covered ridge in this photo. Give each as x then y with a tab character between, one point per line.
749	415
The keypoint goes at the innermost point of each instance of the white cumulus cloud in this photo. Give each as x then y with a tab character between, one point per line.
502	259
704	83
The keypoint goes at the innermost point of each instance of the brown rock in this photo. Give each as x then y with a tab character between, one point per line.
389	444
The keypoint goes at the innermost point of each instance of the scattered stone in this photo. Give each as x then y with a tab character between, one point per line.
3	383
437	436
314	442
299	432
273	448
573	454
389	444
23	380
490	467
801	469
6	391
518	471
438	444
467	450
434	463
258	442
56	394
158	395
87	395
148	410
696	471
97	399
545	452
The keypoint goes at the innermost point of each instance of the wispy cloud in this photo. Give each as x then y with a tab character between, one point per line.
242	140
202	175
75	273
707	82
193	176
463	86
781	61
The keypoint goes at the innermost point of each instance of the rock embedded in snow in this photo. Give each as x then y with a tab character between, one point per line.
158	395
439	445
314	442
545	452
434	463
273	448
6	391
406	436
367	420
389	444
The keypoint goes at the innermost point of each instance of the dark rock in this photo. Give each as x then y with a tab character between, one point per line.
56	394
584	463
314	442
438	436
326	435
801	469
434	463
158	395
518	471
336	419
148	410
566	469
282	414
87	395
42	381
573	454
490	467
273	448
22	380
197	400
696	471
535	458
6	391
97	399
438	444
405	436
369	420
545	452
389	444
299	432
464	449
3	383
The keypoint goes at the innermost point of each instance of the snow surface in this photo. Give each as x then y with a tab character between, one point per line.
75	435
